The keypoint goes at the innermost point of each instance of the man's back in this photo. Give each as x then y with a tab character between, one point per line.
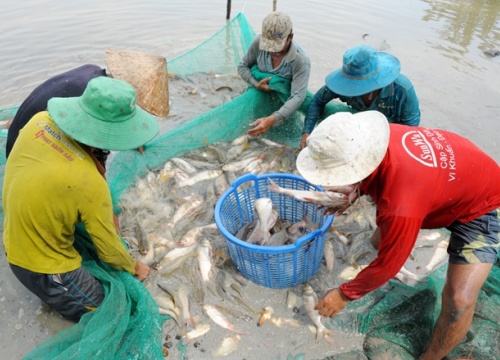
69	84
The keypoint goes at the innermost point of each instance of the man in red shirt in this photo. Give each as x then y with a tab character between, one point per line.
418	178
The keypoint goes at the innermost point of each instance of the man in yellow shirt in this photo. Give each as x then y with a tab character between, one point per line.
53	181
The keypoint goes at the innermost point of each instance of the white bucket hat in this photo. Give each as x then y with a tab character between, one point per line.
344	148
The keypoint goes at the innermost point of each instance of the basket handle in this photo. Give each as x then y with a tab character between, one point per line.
308	237
244	178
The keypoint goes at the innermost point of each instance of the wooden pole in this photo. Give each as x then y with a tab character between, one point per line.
228	10
274	4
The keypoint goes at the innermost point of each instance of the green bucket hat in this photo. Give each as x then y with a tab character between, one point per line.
105	116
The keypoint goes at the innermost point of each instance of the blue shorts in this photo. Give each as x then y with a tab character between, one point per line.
476	241
71	294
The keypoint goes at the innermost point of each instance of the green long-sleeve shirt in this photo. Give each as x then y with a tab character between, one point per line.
50	185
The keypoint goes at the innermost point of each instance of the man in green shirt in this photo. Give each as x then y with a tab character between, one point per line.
54	182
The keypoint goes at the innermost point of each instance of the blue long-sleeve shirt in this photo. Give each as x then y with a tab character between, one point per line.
397	101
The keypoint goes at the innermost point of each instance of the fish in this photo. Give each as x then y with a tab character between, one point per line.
201	176
204	255
278	238
406	276
174	259
184	166
219	153
329	255
199	330
240	164
142	239
254	166
191	236
440	254
326	199
216	316
310	299
227	346
167	171
237	149
181	299
280	321
220	185
186	208
265	315
264	209
351	272
233	312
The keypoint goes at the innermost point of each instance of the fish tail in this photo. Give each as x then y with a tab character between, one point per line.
273	186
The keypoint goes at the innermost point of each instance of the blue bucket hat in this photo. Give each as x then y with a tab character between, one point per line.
363	70
105	116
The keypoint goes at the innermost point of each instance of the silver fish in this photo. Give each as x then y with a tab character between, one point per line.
220	185
201	176
199	330
323	198
191	236
264	209
216	316
329	255
228	345
440	254
204	253
310	299
351	272
142	239
174	259
241	164
184	166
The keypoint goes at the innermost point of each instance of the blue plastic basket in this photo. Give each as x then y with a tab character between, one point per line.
272	266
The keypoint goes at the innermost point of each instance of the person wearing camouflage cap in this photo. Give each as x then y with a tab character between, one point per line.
274	52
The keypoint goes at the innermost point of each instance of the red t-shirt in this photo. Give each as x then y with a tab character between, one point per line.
428	179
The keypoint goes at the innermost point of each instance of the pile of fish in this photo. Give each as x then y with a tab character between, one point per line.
167	220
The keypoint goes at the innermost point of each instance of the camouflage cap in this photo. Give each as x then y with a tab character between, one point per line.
275	30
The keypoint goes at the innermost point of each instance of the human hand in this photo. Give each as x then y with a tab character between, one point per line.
332	303
116	221
262	125
141	270
303	142
263	84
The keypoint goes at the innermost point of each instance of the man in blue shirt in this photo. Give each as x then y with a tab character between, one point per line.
368	80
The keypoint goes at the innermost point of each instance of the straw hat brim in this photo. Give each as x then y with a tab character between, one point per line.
146	73
70	117
388	72
362	137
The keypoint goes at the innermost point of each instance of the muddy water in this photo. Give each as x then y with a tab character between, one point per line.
440	45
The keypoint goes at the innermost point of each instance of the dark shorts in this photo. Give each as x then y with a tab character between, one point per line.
476	241
71	294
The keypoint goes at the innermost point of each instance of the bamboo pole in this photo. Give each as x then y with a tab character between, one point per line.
274	4
228	10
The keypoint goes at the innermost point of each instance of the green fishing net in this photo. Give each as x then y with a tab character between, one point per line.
127	325
396	323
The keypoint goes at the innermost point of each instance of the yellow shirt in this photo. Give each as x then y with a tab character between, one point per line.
50	185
